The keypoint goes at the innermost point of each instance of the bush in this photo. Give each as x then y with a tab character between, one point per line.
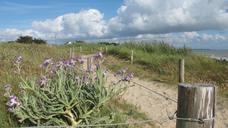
25	39
39	41
30	40
64	95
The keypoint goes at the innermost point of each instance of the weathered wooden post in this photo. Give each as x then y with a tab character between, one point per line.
70	53
196	106
89	64
101	49
132	56
80	48
73	52
106	49
181	71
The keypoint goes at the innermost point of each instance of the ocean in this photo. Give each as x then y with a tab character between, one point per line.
217	54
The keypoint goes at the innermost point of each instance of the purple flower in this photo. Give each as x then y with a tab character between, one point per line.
79	60
7	89
43	81
121	72
98	56
97	66
59	65
85	79
18	60
46	62
13	102
129	77
68	63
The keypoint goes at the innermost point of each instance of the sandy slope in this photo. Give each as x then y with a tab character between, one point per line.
158	108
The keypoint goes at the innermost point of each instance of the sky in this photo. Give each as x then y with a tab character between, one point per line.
193	23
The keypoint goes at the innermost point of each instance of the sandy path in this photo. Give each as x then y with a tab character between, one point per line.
158	108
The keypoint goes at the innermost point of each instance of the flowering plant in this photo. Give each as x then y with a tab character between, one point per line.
64	95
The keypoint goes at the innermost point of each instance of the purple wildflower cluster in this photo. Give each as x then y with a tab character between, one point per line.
13	102
128	77
85	79
80	60
69	63
121	72
98	56
43	81
47	62
18	60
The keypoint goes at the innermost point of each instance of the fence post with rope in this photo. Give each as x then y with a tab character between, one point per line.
132	56
80	48
181	71
196	106
89	63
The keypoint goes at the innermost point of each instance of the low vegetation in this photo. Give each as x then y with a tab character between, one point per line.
32	85
30	40
160	62
151	61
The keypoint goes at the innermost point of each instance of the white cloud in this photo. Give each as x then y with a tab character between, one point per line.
165	16
48	25
86	23
174	21
12	34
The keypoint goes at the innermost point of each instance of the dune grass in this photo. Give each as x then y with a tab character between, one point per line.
160	62
33	55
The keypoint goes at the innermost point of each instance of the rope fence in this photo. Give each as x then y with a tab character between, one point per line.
155	92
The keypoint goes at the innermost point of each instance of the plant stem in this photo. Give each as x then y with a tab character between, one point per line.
72	118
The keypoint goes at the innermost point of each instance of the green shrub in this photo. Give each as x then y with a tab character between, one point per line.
25	39
64	95
30	40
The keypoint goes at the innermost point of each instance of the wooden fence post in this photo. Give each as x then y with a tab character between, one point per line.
80	48
101	49
106	49
196	106
89	64
132	56
73	52
181	71
70	53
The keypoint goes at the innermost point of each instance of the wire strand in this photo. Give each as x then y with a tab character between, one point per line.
155	92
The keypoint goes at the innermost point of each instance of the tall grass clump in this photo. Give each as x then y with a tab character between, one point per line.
158	58
63	95
160	62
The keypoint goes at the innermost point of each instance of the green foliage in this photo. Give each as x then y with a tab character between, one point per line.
67	97
160	62
25	39
33	54
30	40
39	41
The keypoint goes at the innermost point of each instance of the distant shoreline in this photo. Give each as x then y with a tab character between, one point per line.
218	54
